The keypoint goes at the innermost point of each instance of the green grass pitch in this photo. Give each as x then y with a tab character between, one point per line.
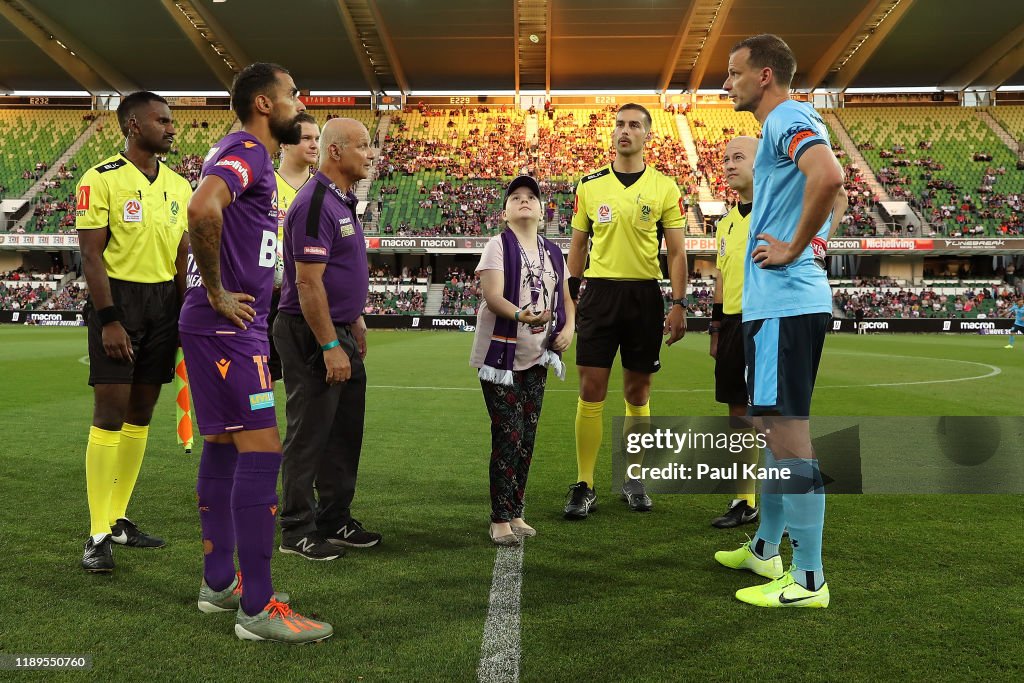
922	586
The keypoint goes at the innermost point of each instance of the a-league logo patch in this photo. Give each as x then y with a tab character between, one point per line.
132	211
604	214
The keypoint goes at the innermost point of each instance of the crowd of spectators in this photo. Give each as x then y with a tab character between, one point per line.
397	302
492	147
398	296
23	291
478	144
461	293
902	302
699	299
189	168
27	297
858	219
947	208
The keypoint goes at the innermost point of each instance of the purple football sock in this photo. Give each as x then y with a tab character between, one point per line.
254	503
213	492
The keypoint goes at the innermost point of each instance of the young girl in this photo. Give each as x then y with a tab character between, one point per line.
526	321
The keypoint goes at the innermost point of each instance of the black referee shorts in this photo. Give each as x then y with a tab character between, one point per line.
150	317
731	363
620	315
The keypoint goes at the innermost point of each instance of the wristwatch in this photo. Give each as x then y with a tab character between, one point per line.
679	302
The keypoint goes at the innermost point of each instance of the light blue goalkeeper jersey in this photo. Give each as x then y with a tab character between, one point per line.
801	287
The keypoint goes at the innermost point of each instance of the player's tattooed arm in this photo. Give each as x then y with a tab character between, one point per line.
205	221
205	238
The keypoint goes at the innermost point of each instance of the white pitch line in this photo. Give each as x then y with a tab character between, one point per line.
992	372
500	650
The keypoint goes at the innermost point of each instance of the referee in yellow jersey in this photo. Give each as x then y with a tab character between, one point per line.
131	221
291	175
623	209
726	329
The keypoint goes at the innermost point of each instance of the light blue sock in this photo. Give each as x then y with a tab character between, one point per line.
1011	340
805	519
773	520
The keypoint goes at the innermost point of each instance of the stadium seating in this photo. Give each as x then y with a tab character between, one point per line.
190	140
1011	118
31	137
395	295
462	295
459	154
926	155
917	302
364	116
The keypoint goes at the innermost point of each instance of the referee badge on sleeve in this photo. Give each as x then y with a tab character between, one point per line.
721	247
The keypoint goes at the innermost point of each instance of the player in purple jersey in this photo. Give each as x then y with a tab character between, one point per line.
223	328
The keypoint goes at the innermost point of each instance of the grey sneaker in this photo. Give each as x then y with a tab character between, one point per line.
634	493
278	623
227	600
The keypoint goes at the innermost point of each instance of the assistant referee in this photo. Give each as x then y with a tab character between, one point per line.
131	222
726	329
623	208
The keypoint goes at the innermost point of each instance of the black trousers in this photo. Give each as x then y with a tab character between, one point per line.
324	435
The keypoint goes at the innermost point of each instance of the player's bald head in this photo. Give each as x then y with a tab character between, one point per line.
340	132
742	142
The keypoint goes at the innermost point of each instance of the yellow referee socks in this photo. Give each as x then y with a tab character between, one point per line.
638	418
588	438
100	464
129	462
748	494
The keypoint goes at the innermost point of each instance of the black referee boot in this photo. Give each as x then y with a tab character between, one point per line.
98	558
582	499
126	532
739	512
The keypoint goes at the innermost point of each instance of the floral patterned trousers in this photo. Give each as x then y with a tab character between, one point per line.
514	412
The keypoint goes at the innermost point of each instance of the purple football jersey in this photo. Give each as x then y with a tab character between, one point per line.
322	227
248	246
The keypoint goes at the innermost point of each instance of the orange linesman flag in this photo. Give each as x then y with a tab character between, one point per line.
182	403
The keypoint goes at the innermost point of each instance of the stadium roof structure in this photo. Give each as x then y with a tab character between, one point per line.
393	46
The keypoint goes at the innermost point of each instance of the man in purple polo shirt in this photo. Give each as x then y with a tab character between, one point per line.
223	330
321	337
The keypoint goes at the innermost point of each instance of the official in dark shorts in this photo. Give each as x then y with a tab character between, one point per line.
730	362
625	317
726	329
321	337
620	215
130	213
